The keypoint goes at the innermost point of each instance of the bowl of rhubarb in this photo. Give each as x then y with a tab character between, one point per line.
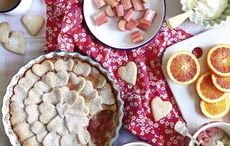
124	24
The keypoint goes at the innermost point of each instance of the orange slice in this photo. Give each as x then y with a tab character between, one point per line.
207	90
215	110
219	60
183	68
221	83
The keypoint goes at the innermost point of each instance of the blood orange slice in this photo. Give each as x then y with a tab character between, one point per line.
207	90
219	60
215	110
183	68
221	83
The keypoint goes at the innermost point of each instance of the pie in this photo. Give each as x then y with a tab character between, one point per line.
64	101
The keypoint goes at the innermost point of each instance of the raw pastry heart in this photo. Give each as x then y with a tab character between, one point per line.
107	94
54	97
99	79
128	73
44	67
33	113
31	142
95	105
28	81
34	96
54	80
69	97
79	108
18	115
89	92
40	85
62	109
47	112
160	109
16	43
82	69
51	139
37	127
75	123
4	32
76	83
33	23
41	136
57	125
23	131
83	136
62	65
69	140
20	94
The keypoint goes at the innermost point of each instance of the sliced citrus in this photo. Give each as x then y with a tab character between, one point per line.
215	110
221	83
183	68
219	60
207	90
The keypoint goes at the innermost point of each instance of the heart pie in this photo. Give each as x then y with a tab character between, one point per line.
62	101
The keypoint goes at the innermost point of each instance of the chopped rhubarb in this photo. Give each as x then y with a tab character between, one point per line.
144	24
120	10
101	18
129	15
112	3
121	25
147	19
131	24
138	5
99	3
109	11
137	37
149	15
126	4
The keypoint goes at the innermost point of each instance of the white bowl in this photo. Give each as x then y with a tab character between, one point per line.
109	34
222	125
138	143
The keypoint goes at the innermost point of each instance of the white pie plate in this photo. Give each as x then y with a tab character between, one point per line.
186	96
6	99
110	35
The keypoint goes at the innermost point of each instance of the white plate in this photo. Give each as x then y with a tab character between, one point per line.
186	96
109	34
137	144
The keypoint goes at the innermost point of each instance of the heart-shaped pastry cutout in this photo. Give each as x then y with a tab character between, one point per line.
33	23
82	69
31	142
44	67
34	96
97	78
16	43
51	139
23	130
95	105
55	80
40	85
76	83
74	123
47	112
79	108
18	115
128	73
160	108
54	97
69	140
58	125
32	112
62	65
4	32
89	92
107	94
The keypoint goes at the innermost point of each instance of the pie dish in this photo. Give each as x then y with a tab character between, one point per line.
62	99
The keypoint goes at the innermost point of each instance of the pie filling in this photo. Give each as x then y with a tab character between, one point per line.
64	102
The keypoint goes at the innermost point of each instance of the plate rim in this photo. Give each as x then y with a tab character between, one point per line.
130	48
8	129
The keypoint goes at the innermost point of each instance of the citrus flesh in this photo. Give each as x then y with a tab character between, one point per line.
219	60
215	110
183	68
207	90
221	83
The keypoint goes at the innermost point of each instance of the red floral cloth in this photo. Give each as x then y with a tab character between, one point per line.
66	31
